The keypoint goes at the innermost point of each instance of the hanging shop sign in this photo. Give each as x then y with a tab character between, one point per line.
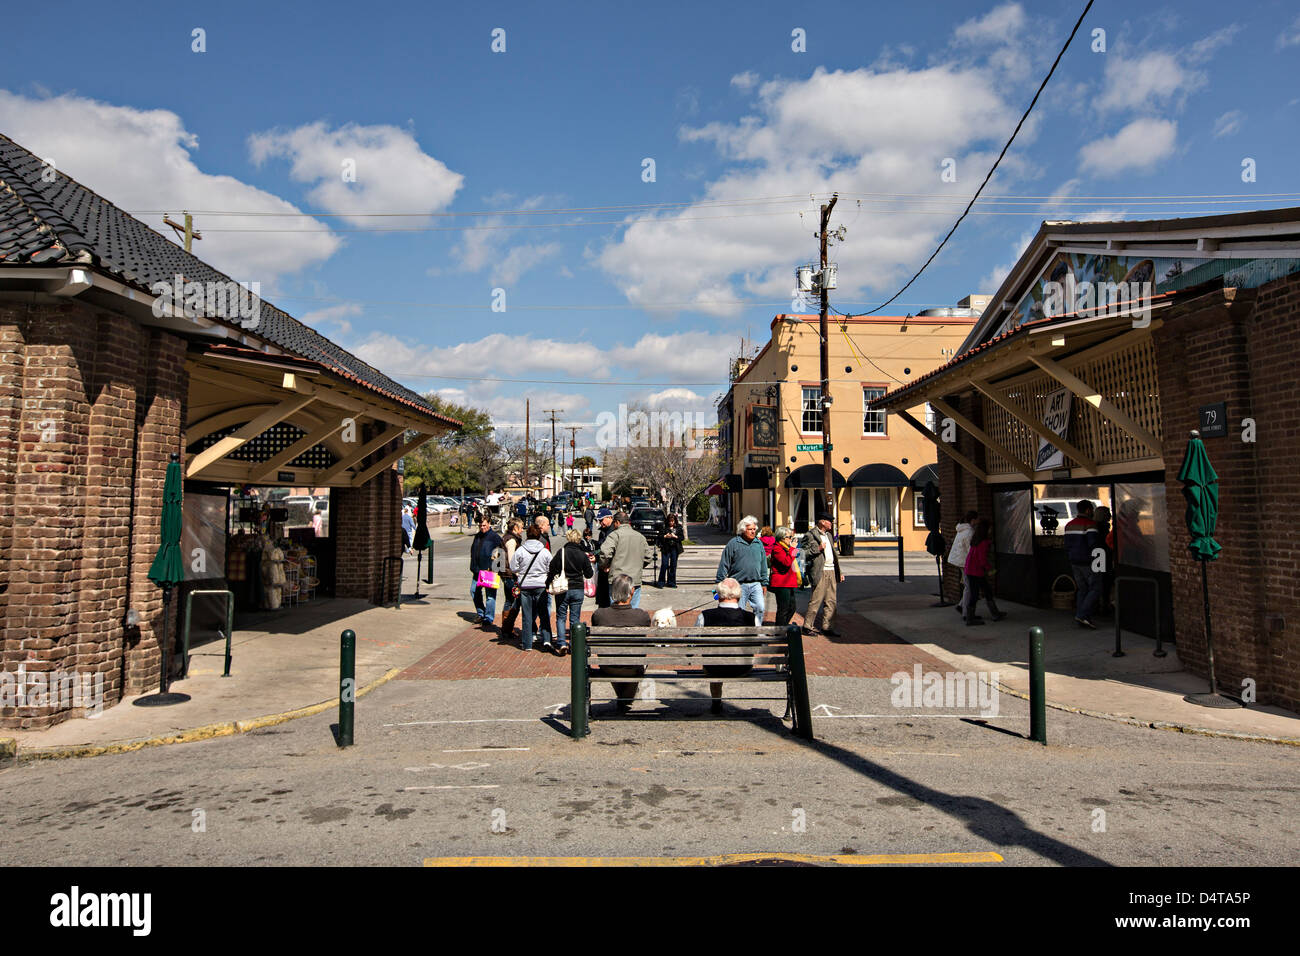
762	426
1056	416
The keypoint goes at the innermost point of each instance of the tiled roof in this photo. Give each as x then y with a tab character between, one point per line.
61	222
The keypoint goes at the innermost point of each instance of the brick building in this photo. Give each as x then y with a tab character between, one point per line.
1107	344
102	377
771	423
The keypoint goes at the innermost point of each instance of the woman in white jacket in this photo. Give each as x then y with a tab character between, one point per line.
531	563
957	554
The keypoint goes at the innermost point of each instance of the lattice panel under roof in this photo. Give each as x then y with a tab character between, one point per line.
272	441
1126	377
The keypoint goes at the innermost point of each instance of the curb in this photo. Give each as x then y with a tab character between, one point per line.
9	747
1160	724
1116	718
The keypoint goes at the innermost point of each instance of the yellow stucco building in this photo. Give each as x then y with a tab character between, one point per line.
771	430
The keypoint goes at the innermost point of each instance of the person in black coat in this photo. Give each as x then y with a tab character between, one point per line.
480	559
670	545
575	564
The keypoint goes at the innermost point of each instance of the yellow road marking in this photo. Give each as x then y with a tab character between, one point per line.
725	859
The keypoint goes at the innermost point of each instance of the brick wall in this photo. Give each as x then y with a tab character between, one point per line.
1239	356
80	392
367	525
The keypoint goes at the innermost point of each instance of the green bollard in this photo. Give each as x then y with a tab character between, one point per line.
578	683
799	682
347	685
1037	695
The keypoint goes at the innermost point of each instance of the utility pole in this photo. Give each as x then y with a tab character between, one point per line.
553	412
187	229
573	454
827	470
527	416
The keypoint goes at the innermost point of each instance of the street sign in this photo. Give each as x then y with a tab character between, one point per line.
817	447
1214	420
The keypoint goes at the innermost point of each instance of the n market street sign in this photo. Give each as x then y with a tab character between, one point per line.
818	447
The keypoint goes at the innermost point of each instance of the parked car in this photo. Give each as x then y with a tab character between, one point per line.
649	521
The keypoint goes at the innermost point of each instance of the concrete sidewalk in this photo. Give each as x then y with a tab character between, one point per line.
285	664
1082	676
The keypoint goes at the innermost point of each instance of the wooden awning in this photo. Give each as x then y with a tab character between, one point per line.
1105	362
279	420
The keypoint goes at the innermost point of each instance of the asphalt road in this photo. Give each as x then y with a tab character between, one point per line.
457	768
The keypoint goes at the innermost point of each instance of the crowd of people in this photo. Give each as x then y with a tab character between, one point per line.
547	582
763	559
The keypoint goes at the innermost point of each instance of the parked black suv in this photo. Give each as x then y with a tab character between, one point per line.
649	521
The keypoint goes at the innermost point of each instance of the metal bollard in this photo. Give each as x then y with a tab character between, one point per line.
799	682
1037	694
578	683
428	579
347	685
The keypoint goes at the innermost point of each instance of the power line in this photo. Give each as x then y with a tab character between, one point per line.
805	198
1036	213
1042	86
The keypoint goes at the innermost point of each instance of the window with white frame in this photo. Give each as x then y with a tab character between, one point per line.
812	410
873	422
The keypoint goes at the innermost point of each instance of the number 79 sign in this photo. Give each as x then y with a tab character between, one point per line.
1214	420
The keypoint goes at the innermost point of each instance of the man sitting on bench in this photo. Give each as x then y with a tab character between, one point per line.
728	613
622	614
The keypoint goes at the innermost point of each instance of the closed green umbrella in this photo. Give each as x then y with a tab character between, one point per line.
1201	492
167	571
420	540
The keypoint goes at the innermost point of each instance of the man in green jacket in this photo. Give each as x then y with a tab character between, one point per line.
745	560
623	552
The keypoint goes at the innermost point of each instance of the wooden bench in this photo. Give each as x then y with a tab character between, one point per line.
681	654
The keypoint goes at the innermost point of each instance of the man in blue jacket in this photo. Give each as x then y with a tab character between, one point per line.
1081	544
480	559
745	560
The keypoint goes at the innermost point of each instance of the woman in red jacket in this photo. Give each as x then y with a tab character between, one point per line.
785	579
979	562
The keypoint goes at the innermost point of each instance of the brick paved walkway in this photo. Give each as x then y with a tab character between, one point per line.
863	649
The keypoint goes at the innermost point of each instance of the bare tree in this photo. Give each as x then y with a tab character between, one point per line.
671	460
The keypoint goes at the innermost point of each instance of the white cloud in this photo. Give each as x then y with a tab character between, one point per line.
144	160
1228	123
485	248
392	172
998	274
681	356
997	26
745	81
1157	78
335	315
522	258
1146	82
858	132
1000	35
487	356
1289	36
1138	146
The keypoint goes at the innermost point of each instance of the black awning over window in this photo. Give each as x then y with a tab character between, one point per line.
811	476
878	475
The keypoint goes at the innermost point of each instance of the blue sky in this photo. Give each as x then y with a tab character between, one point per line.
741	128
